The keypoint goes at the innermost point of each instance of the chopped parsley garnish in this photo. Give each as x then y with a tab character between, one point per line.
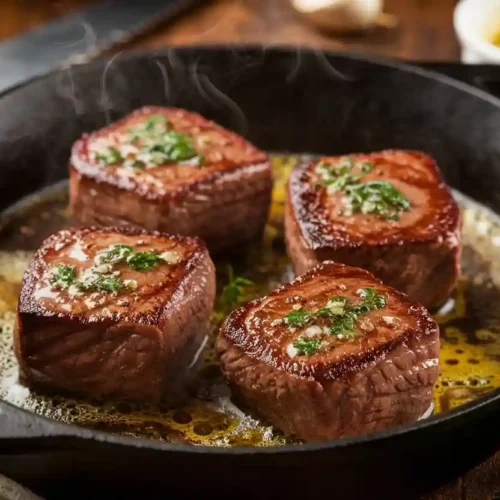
306	345
144	261
371	301
102	283
341	317
374	197
377	197
63	276
138	165
344	325
335	306
140	261
152	126
366	167
154	122
297	318
338	176
234	292
109	156
114	254
171	146
150	143
99	277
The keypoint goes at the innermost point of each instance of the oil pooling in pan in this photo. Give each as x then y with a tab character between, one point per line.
469	323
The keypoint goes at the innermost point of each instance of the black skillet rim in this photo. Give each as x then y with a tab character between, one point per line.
74	431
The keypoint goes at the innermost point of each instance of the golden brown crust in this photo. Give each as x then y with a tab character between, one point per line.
395	390
434	214
230	152
29	305
413	319
138	344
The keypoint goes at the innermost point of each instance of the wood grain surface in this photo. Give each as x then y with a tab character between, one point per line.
17	16
424	32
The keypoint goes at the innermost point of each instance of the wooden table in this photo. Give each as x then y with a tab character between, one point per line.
425	32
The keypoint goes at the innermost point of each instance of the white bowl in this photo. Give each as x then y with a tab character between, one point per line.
476	21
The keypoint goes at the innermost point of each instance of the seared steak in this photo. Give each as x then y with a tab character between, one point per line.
334	353
388	212
171	170
114	312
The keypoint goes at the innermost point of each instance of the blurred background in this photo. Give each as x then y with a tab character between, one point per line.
410	29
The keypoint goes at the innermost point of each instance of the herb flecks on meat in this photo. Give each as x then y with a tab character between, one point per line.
374	197
305	345
62	277
338	317
101	277
149	143
109	156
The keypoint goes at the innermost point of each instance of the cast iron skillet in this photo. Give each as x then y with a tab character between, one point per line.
282	99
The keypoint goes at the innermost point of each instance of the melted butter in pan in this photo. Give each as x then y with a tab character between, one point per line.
469	322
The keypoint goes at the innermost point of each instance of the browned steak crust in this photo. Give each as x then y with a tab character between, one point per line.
381	377
419	254
224	201
135	344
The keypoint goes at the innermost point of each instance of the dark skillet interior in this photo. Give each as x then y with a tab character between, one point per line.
283	100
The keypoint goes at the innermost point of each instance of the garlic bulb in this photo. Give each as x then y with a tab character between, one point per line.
341	15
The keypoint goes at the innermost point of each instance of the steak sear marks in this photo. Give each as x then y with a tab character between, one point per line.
187	175
412	244
132	341
380	374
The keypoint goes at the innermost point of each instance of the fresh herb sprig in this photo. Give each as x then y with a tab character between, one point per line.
341	314
234	292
